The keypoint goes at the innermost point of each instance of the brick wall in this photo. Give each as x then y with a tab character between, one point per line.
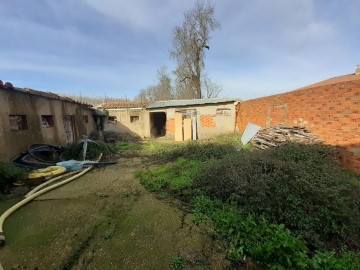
170	126
207	121
332	112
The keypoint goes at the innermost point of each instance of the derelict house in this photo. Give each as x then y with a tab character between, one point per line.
29	116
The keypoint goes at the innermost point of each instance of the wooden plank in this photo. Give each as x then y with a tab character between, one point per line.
187	129
179	135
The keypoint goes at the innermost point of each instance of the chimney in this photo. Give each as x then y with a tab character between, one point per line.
357	70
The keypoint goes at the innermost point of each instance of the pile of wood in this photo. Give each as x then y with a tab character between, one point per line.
274	136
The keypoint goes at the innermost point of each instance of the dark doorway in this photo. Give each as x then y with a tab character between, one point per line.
158	124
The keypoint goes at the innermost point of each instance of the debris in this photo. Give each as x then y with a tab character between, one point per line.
39	156
250	131
277	135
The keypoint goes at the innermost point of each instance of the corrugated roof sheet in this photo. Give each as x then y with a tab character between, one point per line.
124	105
189	102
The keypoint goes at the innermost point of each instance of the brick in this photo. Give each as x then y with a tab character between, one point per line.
331	111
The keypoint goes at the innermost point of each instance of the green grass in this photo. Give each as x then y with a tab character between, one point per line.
174	177
127	146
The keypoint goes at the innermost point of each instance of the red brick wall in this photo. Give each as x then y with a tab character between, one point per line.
207	121
170	126
331	112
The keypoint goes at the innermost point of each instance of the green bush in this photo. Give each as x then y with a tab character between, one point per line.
9	174
267	244
295	185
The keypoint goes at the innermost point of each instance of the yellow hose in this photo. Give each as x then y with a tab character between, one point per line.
15	207
45	172
52	180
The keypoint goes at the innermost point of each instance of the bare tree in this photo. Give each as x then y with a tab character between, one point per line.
189	42
212	89
161	91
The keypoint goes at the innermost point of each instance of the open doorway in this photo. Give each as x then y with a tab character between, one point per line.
158	124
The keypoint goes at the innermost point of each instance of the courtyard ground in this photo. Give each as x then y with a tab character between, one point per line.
105	220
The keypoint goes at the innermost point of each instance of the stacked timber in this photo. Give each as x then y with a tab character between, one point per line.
277	135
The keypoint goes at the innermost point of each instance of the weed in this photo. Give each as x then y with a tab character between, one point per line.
178	262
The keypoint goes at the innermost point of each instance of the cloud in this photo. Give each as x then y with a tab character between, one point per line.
263	46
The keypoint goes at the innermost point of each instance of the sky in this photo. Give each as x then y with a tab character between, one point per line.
115	47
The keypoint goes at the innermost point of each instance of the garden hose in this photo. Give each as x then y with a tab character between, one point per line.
15	207
52	180
46	172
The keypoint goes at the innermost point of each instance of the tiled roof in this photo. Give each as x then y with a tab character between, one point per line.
190	102
124	104
335	80
9	87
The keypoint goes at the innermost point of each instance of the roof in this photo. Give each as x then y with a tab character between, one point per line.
190	102
124	105
334	80
10	87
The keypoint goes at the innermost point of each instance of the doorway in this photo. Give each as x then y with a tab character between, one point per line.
69	126
158	124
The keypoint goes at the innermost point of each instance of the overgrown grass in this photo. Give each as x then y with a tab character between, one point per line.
194	150
176	177
290	207
127	146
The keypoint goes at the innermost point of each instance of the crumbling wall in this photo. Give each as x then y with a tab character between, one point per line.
332	112
33	106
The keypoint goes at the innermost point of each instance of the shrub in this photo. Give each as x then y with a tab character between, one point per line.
295	185
9	174
269	244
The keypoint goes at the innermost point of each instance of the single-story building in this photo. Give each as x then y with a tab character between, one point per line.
29	116
175	119
127	117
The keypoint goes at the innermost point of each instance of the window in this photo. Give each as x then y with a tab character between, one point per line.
47	121
112	119
18	122
223	112
134	118
86	119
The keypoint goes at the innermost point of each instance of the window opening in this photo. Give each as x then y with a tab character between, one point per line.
47	121
18	122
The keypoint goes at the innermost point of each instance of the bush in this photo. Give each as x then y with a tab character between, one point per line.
295	185
9	174
268	244
75	150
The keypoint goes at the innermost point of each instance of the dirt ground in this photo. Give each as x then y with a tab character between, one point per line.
104	220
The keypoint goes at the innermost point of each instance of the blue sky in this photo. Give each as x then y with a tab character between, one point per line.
115	47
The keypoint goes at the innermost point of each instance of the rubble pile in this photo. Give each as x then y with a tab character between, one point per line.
274	136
